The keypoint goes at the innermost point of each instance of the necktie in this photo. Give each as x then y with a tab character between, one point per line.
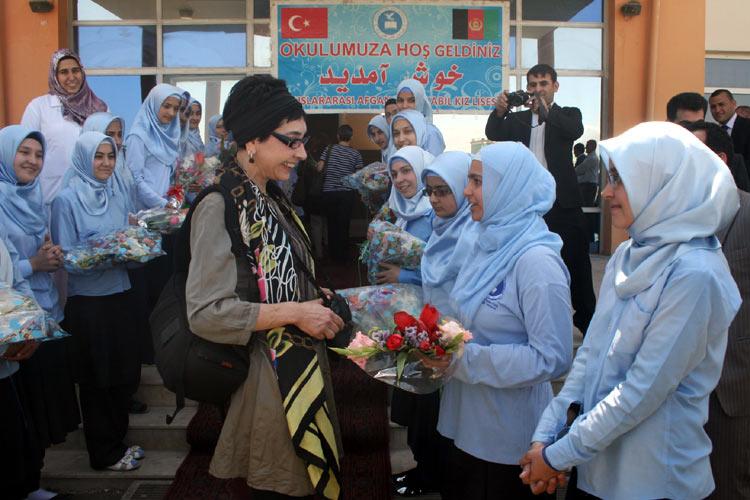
725	128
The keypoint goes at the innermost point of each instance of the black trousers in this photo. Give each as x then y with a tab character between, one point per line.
107	360
337	206
466	477
20	460
105	422
588	192
419	414
155	275
570	224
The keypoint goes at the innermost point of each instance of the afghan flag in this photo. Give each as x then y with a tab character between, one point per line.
476	24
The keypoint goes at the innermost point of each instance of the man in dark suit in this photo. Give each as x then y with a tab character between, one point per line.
690	107
549	131
729	405
724	111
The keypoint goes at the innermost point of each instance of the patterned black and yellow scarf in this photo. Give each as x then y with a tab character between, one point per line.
270	229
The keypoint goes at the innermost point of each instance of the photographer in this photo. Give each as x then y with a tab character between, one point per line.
549	131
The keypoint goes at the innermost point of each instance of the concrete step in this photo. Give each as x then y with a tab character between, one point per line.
69	471
152	390
148	430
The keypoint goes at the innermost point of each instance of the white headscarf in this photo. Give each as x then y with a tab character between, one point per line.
680	193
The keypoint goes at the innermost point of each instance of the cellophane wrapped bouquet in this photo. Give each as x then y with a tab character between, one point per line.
389	243
133	244
196	169
373	184
391	343
22	319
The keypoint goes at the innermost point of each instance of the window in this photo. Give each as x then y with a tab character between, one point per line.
205	46
116	46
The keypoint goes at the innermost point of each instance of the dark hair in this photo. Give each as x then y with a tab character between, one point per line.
345	133
691	101
722	91
257	105
389	102
578	148
717	140
590	145
541	70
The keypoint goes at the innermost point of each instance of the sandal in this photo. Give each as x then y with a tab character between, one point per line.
136	452
126	463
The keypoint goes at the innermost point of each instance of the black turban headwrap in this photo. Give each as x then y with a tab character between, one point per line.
256	106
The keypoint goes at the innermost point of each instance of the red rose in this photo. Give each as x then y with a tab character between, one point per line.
199	158
439	351
429	317
425	346
394	342
404	320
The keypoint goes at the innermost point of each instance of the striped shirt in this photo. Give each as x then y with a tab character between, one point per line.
343	161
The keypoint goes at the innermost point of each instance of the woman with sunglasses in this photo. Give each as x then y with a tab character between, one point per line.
453	233
655	347
238	299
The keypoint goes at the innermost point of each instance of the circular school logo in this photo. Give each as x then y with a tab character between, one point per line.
390	23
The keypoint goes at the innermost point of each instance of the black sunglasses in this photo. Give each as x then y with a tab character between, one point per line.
292	142
439	191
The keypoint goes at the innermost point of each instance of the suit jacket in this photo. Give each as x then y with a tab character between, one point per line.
739	172
741	136
564	126
733	390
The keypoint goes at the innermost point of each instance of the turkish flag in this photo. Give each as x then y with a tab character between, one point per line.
304	22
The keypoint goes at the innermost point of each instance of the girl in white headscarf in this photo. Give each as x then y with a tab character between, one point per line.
655	347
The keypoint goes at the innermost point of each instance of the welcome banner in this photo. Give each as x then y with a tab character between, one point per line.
351	57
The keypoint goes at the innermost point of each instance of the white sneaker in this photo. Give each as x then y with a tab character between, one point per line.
126	463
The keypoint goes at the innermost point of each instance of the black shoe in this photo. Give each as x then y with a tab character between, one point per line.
137	407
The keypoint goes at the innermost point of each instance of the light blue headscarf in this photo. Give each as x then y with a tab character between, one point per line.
420	97
122	179
92	193
680	193
417	122
162	141
21	203
193	141
516	192
213	144
407	209
452	238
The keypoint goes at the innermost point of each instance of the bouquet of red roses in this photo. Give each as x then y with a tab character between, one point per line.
394	355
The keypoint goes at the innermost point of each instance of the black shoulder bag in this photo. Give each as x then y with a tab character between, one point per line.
191	366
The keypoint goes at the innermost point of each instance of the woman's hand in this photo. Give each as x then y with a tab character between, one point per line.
389	274
48	258
21	351
316	320
440	364
194	188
